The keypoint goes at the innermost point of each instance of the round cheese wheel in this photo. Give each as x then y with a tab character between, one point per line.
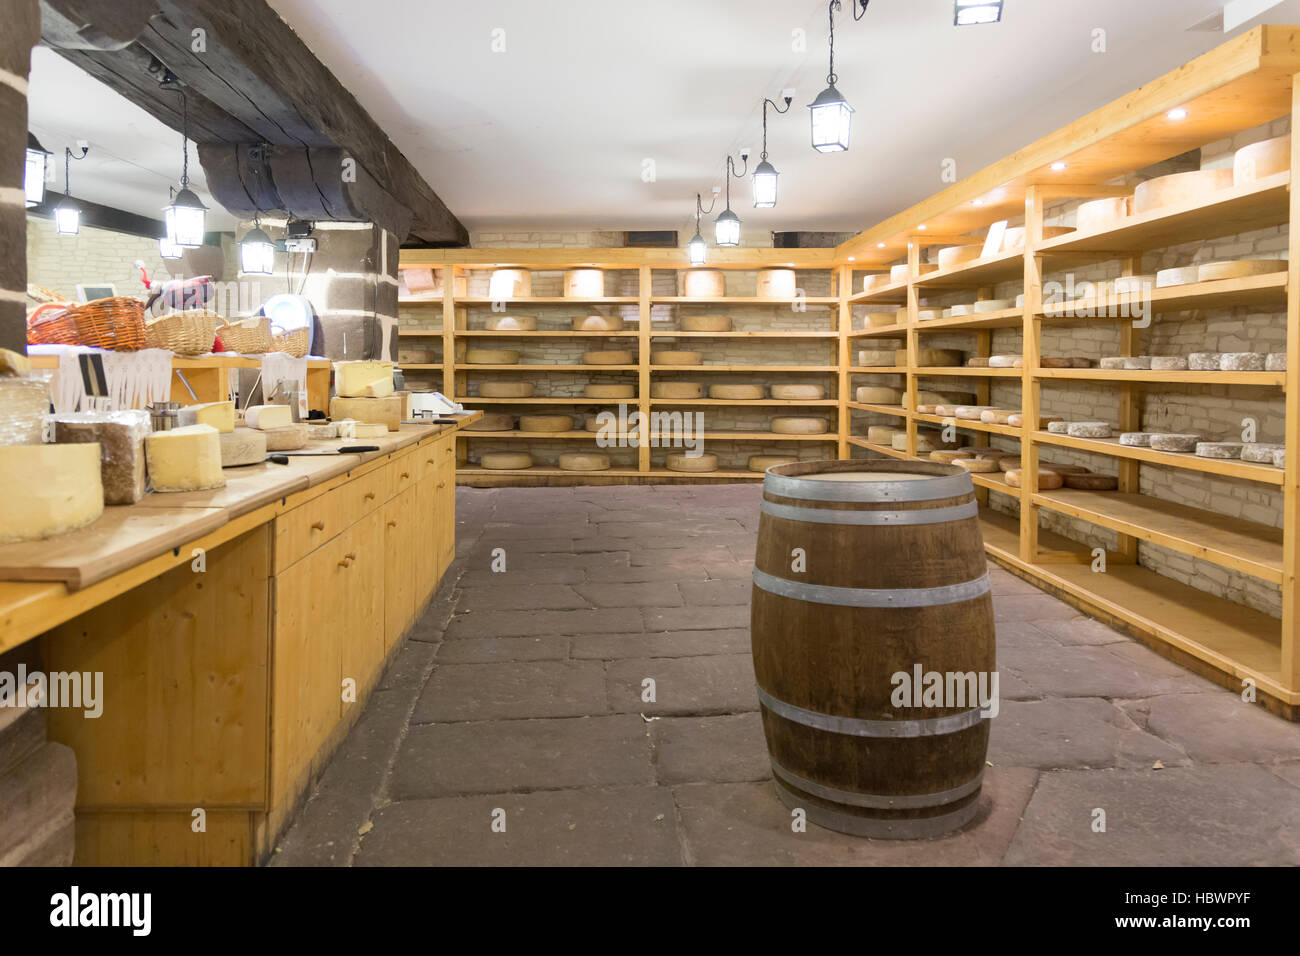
592	390
1261	452
1058	427
1092	482
1182	276
925	397
506	460
880	320
1209	271
993	305
996	416
878	280
1048	480
970	413
1219	449
703	283
956	255
597	323
1261	160
706	323
677	390
982	466
924	315
609	357
493	422
583	461
1014	239
931	358
1102	213
959	311
1136	439
878	395
545	423
1131	285
882	434
286	438
1064	469
876	358
1174	442
798	393
1275	362
978	361
505	389
243	446
737	393
1006	361
510	284
948	456
511	323
776	284
762	463
1009	463
1056	361
491	357
584	283
676	357
1088	430
50	489
800	426
898	274
1196	186
701	463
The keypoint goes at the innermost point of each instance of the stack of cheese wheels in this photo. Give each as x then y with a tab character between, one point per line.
51	489
1196	186
584	284
510	284
1261	160
491	357
703	283
1048	479
505	390
931	358
706	323
687	463
594	390
737	393
800	426
678	390
506	460
877	358
878	395
546	423
1103	213
609	357
676	357
1210	271
597	323
583	461
511	323
956	255
798	393
776	284
493	422
761	463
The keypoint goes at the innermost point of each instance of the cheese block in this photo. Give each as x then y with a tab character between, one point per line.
703	283
1260	452
220	415
877	280
1181	276
584	283
1174	442
592	390
353	379
1006	361
501	390
510	323
268	416
1261	160
1279	459
800	426
876	358
1137	362
1193	187
930	358
545	423
925	315
185	459
978	361
958	311
1275	362
880	320
1136	439
970	413
878	395
506	460
1058	427
1056	361
1089	430
957	255
676	357
1048	480
387	410
288	438
997	416
993	305
798	393
762	463
1111	362
1219	449
243	446
597	323
368	430
491	357
883	434
609	357
493	422
1168	363
1242	361
1130	285
776	284
583	461
677	390
120	438
510	284
1239	268
980	466
50	489
706	323
1101	214
1205	361
735	393
685	463
322	430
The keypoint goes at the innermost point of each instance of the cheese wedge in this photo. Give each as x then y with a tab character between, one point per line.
267	416
186	459
387	410
351	379
220	415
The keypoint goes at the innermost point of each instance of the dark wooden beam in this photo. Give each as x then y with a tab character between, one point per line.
94	24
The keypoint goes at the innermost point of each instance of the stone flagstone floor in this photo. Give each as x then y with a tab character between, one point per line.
521	692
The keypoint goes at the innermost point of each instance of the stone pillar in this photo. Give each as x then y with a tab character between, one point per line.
22	30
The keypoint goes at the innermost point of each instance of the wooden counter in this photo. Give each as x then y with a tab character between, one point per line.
237	650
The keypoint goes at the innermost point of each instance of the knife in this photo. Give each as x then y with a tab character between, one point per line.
282	457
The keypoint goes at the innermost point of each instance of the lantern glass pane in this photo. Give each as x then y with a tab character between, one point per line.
185	225
67	220
971	12
697	249
34	178
830	127
257	258
728	231
168	249
765	190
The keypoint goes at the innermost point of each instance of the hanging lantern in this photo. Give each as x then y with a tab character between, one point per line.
831	119
184	219
168	249
34	172
257	252
67	217
697	248
727	228
765	176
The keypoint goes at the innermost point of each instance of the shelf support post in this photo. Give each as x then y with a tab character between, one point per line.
1290	671
1030	404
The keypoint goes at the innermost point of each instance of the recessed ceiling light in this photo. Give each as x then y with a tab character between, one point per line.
1178	114
880	245
1057	167
979	202
921	227
971	12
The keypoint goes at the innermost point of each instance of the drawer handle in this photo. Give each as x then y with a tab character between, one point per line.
430	461
350	557
392	524
406	474
345	563
318	525
442	484
369	495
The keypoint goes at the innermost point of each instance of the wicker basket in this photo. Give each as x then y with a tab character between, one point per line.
250	336
186	333
295	342
114	323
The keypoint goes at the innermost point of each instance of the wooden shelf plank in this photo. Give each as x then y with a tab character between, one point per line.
1267	291
744	334
542	334
1003	319
542	300
999	268
991	429
1229	467
964	372
893	294
1158	377
887	450
898	411
469	401
740	300
892	331
755	403
545	367
820	369
477	471
878	370
738	435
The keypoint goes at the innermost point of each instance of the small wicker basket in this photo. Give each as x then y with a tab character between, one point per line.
191	332
251	336
295	342
114	323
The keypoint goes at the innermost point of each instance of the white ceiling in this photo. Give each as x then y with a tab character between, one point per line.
552	133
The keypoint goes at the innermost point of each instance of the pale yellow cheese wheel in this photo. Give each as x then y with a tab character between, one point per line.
883	434
761	463
584	283
593	390
1181	276
597	323
878	395
977	465
680	462
993	305
506	389
876	358
737	393
798	393
492	357
1210	271
1103	213
706	323
676	357
1261	160
879	320
997	416
1195	186
677	390
926	397
703	283
1006	361
583	461
900	273
956	255
1047	480
493	422
931	358
800	426
927	315
287	438
243	446
957	311
501	460
970	413
878	280
775	284
545	423
609	357
510	284
594	424
511	323
50	489
948	456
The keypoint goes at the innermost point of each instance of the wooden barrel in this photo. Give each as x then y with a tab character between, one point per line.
893	581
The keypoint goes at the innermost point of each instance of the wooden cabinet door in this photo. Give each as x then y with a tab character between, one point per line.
445	515
362	655
425	545
400	520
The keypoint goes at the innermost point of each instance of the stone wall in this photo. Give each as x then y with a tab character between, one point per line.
21	31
